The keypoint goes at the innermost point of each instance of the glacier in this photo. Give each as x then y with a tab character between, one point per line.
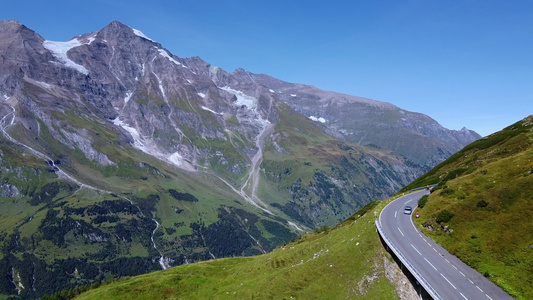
59	50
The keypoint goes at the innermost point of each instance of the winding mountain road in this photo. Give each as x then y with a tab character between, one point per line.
449	276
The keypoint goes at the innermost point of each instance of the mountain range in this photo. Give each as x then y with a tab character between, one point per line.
119	158
478	210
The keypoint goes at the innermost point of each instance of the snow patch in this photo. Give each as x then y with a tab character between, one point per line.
139	33
161	87
59	51
166	55
293	95
321	120
91	39
242	99
271	90
137	139
250	103
128	97
201	95
210	110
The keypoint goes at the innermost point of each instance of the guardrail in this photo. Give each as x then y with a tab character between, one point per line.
423	282
421	188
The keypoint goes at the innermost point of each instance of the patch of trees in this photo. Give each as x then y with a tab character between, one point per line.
105	218
112	207
325	189
182	196
49	191
230	235
281	233
295	211
65	278
146	205
55	228
297	191
170	230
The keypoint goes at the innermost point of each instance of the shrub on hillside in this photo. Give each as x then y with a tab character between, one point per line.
447	191
482	203
444	216
422	201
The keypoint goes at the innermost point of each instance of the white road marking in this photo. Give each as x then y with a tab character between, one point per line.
448	281
471	281
416	249
462	273
400	231
431	264
463	296
447	260
479	289
488	297
395	213
454	267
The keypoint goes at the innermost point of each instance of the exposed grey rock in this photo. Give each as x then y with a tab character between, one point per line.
8	191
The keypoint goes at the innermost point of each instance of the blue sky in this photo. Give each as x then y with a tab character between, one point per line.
463	63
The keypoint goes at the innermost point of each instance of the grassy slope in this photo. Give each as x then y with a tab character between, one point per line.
487	187
344	262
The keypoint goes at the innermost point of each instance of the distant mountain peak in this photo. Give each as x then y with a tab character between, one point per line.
118	30
12	23
116	25
10	29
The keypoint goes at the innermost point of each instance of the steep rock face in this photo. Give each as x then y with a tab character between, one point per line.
112	144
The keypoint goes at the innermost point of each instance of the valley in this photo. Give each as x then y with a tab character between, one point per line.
119	158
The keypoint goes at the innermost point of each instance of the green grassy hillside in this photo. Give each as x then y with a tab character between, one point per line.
344	262
481	209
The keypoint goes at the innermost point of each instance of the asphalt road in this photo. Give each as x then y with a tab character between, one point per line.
449	276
